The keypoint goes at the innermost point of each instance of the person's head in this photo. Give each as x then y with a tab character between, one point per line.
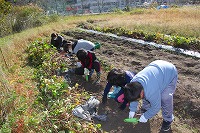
82	54
116	77
67	47
133	91
53	35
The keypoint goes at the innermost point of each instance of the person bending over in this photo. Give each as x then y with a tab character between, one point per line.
57	41
73	47
119	78
155	85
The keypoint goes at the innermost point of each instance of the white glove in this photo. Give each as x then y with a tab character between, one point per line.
143	119
131	114
86	71
78	64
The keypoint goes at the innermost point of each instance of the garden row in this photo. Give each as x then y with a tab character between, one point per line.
176	41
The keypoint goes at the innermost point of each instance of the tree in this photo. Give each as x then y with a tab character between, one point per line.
5	9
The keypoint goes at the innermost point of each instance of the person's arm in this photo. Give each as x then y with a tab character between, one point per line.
62	53
129	76
90	60
133	106
83	64
107	89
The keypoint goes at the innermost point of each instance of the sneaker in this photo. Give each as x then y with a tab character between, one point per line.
166	126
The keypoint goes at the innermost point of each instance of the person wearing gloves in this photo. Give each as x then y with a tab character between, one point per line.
88	60
119	78
155	84
73	48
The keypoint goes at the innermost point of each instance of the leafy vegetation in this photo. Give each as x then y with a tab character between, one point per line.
48	106
176	41
56	98
18	18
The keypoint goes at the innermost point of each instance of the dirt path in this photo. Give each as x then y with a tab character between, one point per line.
134	57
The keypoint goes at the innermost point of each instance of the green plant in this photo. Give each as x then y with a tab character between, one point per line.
5	128
5	7
137	11
38	52
25	17
176	41
180	42
117	10
106	66
150	37
56	98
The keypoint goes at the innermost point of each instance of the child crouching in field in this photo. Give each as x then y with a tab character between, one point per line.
90	62
119	78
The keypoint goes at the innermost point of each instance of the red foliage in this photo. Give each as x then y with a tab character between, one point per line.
19	126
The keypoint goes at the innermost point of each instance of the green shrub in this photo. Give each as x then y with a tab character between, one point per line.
5	7
18	18
5	25
38	52
117	10
127	9
137	11
150	37
25	17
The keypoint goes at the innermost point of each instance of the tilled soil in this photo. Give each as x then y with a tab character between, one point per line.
132	56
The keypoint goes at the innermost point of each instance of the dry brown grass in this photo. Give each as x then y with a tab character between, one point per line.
180	21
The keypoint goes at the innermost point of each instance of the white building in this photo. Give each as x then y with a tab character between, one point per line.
96	6
99	6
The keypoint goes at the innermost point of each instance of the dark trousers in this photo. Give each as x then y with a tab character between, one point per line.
95	66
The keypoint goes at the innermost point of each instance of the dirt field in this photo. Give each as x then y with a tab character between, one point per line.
134	57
